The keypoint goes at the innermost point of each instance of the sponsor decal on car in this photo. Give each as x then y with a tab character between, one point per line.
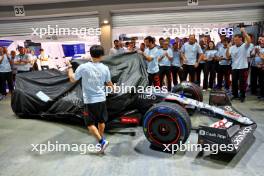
240	136
210	134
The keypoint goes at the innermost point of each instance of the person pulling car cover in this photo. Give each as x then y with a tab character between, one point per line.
95	76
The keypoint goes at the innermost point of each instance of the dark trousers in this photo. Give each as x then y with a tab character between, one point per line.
6	77
175	73
224	72
261	82
254	79
211	66
200	68
154	79
189	70
165	70
239	76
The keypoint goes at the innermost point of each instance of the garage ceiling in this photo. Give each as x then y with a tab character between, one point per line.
93	2
26	2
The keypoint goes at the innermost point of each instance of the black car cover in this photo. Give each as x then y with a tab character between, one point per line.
50	93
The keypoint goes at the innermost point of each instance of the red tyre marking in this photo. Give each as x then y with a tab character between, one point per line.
178	128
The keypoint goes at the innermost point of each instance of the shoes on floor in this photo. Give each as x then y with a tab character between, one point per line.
242	99
2	97
234	98
260	98
103	146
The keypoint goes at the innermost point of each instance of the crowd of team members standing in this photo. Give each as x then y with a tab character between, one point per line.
12	64
186	59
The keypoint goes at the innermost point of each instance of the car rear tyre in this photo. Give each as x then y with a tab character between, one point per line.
189	90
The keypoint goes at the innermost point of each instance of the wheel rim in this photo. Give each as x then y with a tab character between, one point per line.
163	129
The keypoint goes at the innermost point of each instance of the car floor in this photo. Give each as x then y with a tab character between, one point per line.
129	152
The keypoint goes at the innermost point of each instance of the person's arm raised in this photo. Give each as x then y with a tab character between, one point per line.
70	72
246	36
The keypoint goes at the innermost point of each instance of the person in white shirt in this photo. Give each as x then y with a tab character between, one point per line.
238	53
31	57
22	61
130	48
257	73
165	58
117	49
176	63
151	55
133	42
34	59
202	67
224	70
12	60
189	53
44	60
161	40
5	73
142	47
210	58
221	43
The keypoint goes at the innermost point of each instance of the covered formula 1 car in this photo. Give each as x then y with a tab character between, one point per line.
166	116
49	94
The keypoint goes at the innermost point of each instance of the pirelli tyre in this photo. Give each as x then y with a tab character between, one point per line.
189	90
166	123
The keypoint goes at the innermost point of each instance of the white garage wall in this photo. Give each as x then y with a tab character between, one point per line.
25	27
189	17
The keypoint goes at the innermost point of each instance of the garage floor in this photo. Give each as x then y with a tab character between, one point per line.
128	153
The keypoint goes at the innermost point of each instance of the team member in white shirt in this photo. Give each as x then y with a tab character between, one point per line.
165	58
5	73
130	48
224	70
117	49
190	50
210	57
238	53
176	63
221	43
151	55
44	60
22	62
257	73
32	57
